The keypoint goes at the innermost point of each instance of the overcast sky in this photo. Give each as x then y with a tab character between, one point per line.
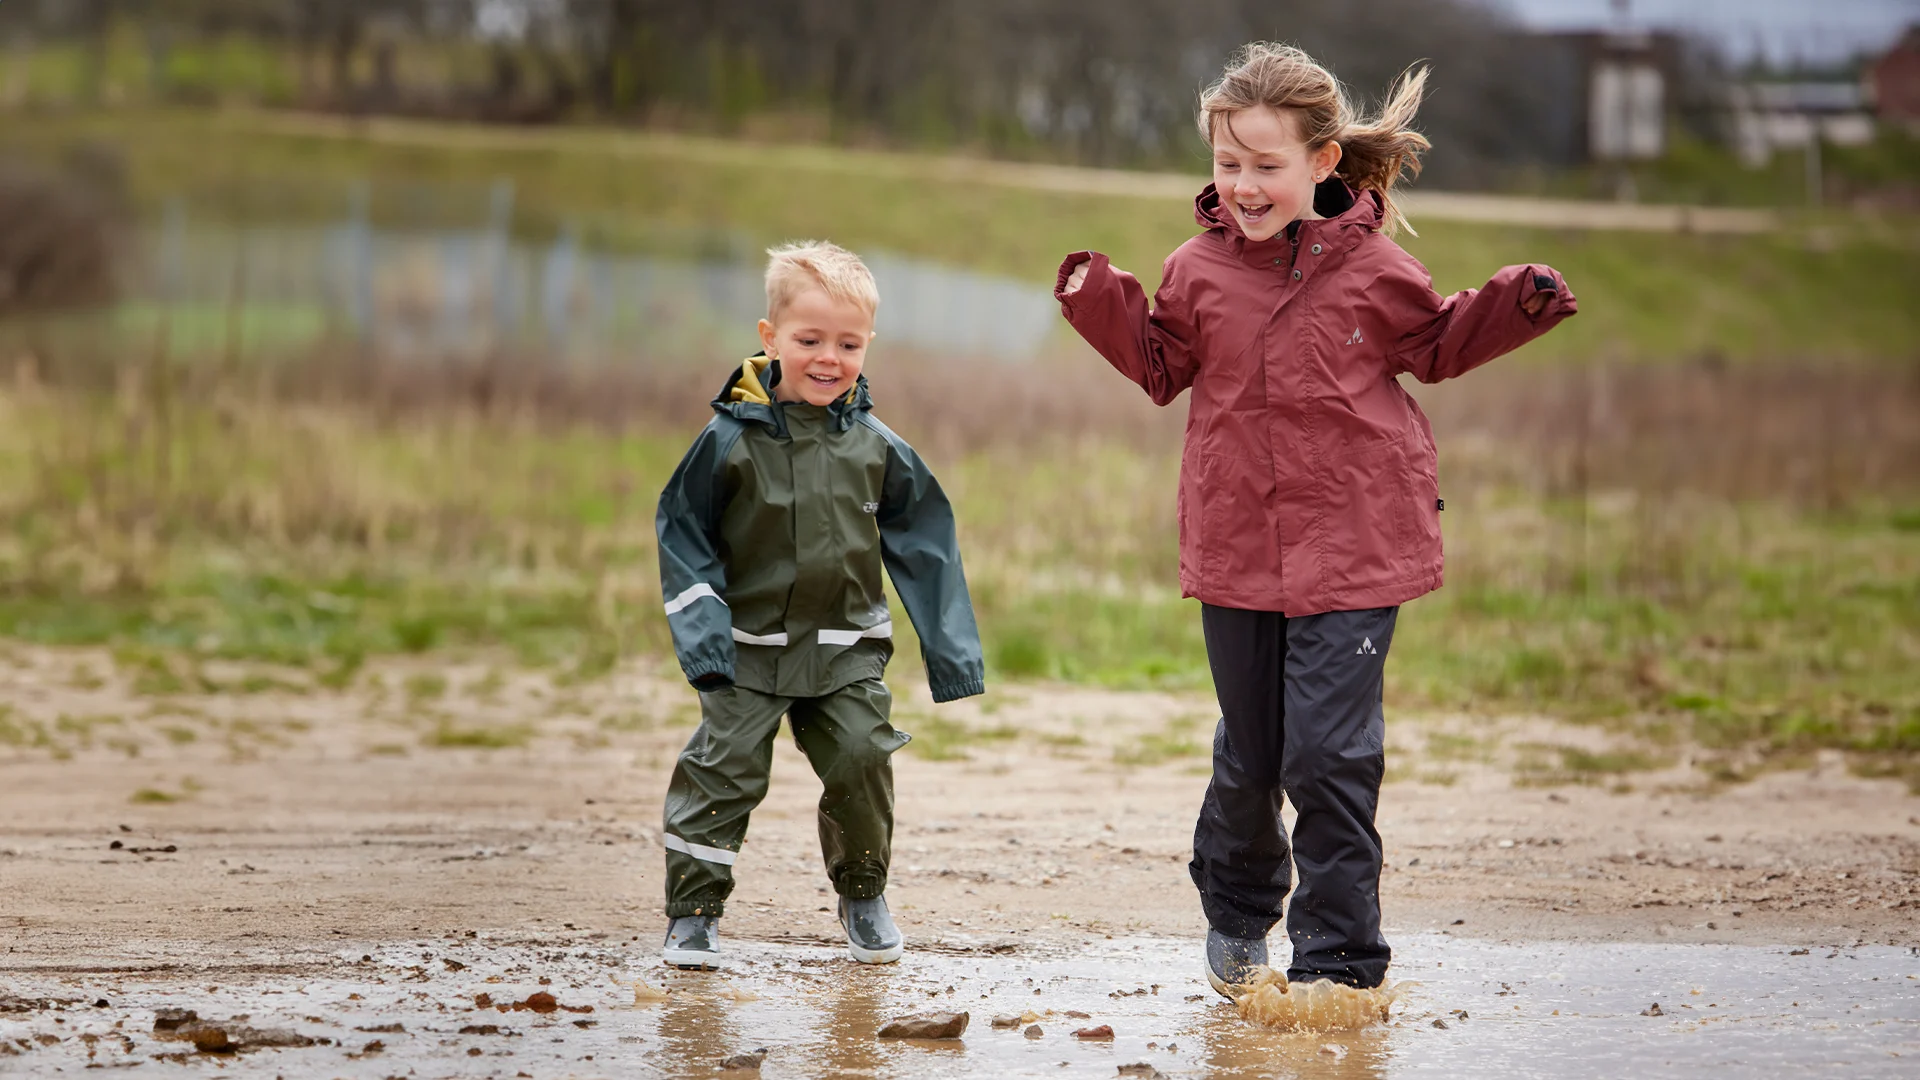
1784	31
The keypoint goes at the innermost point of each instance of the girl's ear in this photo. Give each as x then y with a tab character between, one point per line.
766	337
1326	159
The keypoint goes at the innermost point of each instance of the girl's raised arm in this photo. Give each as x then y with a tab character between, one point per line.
1108	307
1440	338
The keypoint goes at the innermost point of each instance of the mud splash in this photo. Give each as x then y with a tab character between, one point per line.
1320	1005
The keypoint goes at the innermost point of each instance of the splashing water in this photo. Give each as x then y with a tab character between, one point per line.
1319	1005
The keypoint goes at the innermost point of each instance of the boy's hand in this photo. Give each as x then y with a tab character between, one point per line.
1544	291
1076	279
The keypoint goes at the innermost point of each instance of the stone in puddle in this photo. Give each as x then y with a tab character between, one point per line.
1006	1021
1142	1069
745	1062
1104	1031
945	1025
1034	1032
173	1019
224	1038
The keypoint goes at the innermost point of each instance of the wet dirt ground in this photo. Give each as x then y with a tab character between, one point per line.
468	831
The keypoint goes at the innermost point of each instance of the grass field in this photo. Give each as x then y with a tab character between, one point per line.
1708	531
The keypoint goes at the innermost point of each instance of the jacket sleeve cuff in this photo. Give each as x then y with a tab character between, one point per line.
708	669
1096	264
954	691
1546	279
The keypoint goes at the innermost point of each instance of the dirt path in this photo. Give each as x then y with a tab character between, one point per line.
143	828
1420	205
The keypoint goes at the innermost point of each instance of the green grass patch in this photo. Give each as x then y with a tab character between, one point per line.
504	737
938	738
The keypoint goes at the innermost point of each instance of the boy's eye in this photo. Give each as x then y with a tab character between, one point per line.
808	343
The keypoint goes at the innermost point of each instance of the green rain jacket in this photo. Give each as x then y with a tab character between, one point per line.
772	534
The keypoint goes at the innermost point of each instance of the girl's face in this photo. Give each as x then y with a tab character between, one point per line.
821	344
1264	172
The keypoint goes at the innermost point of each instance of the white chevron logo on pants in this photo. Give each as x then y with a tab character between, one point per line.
1366	649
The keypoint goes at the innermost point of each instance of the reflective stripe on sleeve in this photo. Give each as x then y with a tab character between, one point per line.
758	639
680	603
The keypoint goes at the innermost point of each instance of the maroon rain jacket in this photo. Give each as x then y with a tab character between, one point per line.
1309	480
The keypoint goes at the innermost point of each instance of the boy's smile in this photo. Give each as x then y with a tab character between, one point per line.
821	344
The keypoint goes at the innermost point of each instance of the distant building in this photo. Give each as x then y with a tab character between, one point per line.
1790	115
1895	82
1614	93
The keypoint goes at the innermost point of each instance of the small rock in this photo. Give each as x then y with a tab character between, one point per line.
1104	1031
1652	1010
382	1029
1033	1032
374	1047
1006	1022
480	1001
115	846
103	1003
1334	1050
1439	1023
749	1062
480	1029
1076	1014
175	1019
1142	1069
540	1002
949	1025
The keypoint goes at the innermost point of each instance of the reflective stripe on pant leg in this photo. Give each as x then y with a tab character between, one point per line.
720	777
1333	763
1241	863
850	743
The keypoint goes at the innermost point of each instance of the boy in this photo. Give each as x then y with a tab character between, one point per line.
772	532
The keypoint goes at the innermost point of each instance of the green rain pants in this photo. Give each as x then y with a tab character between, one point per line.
722	775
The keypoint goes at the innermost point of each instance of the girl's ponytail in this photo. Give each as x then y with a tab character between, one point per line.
1375	153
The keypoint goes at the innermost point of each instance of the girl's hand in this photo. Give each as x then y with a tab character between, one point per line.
1544	291
1076	279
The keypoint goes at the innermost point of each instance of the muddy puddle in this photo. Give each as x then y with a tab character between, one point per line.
581	1006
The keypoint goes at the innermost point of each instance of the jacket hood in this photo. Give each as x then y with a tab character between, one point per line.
1346	214
748	395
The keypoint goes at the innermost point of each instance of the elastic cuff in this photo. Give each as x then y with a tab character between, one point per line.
680	909
862	886
1094	261
957	690
709	669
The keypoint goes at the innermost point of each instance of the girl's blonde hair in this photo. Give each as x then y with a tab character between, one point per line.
1374	152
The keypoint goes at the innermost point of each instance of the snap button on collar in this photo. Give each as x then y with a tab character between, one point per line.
1316	249
1296	275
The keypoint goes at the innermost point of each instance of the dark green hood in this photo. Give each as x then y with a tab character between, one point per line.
747	395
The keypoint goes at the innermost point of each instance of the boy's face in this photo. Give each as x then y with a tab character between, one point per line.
1264	172
821	344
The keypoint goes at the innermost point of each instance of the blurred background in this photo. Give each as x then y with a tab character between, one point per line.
331	331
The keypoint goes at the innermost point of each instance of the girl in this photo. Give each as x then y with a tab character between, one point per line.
1309	502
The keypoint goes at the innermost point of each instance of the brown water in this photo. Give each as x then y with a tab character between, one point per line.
1507	1009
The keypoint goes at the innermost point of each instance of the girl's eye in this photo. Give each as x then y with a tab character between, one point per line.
808	343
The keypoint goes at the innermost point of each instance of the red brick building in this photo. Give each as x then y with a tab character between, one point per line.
1896	81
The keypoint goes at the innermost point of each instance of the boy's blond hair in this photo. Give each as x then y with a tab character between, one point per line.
821	264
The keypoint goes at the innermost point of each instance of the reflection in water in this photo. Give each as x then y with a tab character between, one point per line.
438	292
1235	1048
